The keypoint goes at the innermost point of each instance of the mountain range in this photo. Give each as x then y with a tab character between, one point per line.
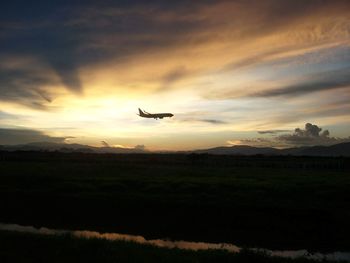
341	149
65	147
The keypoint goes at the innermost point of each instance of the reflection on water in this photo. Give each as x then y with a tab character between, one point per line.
172	244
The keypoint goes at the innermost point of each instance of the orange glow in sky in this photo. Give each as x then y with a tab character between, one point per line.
225	69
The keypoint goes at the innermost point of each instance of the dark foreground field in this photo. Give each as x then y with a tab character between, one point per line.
27	248
269	202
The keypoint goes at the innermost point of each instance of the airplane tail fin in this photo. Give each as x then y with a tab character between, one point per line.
141	112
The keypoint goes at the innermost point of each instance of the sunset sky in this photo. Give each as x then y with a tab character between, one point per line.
232	72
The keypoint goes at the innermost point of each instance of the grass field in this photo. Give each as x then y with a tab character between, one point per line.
278	203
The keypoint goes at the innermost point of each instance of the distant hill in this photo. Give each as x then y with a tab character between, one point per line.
240	150
65	147
341	149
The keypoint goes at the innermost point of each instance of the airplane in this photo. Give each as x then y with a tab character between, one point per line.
156	116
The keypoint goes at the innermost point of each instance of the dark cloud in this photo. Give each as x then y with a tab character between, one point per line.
311	135
272	131
311	131
213	121
50	44
323	81
105	144
22	136
319	82
173	76
44	95
24	85
68	36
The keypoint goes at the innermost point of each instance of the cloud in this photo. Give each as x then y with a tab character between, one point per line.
173	76
137	148
210	121
45	96
313	83
182	40
105	144
311	135
140	147
7	116
256	142
253	59
272	131
23	80
22	136
70	37
213	121
297	86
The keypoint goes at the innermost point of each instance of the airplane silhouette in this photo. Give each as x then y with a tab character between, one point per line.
156	116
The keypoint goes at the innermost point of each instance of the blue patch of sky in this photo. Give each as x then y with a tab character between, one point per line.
5	116
341	130
304	65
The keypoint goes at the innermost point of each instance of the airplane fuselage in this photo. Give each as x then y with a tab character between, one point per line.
155	115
